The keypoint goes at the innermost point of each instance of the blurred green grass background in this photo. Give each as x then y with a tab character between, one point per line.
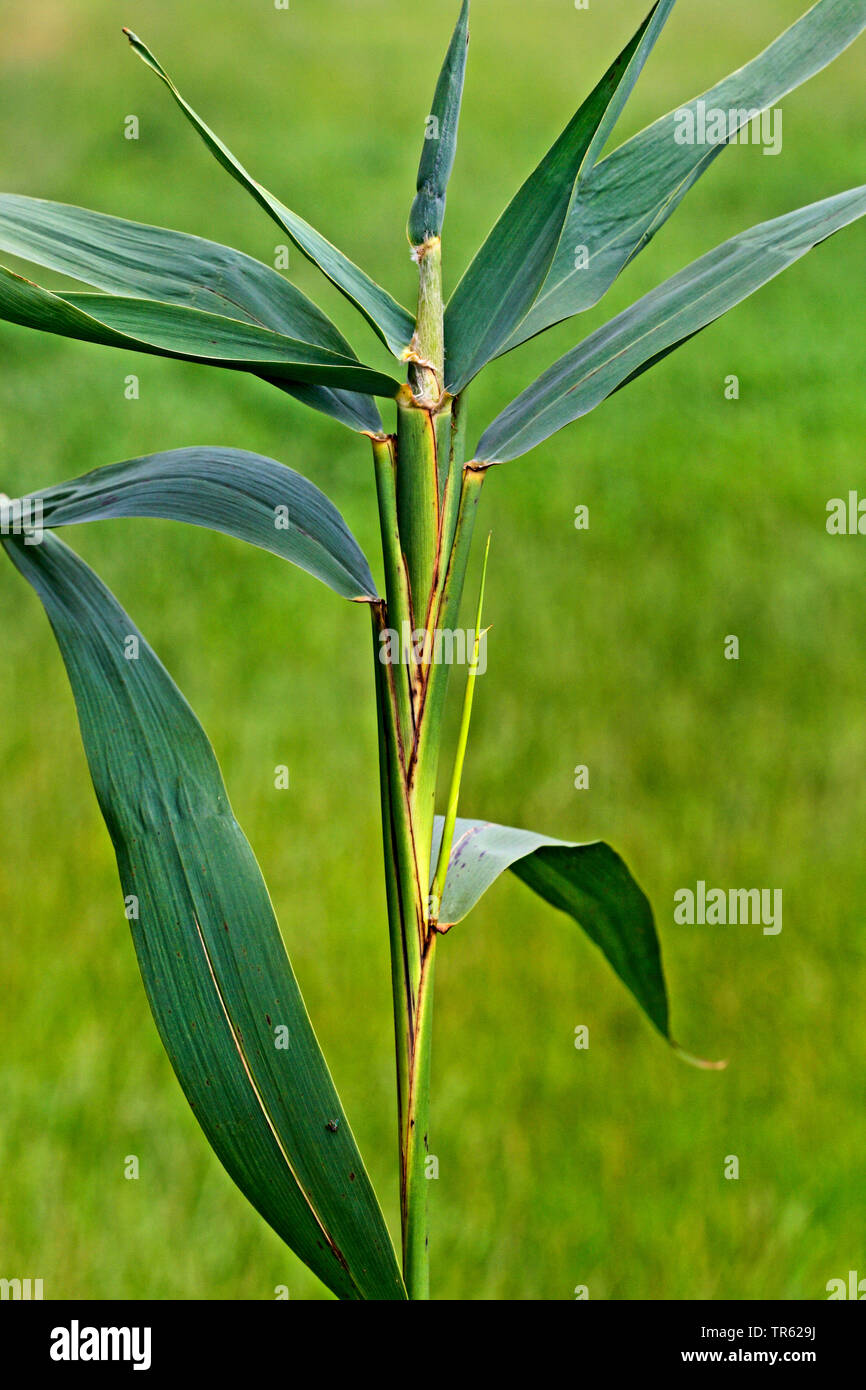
557	1167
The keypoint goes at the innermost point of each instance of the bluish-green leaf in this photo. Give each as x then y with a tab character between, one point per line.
588	881
133	259
624	200
390	320
241	494
661	321
503	280
169	330
144	262
437	157
212	959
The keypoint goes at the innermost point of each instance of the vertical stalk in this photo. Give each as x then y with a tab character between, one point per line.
401	967
416	1260
407	777
429	341
418	512
425	756
426	507
399	607
459	758
418	497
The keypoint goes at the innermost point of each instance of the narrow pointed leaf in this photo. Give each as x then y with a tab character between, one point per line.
660	322
133	259
358	412
440	145
169	330
630	194
390	320
144	262
505	277
588	881
241	494
213	963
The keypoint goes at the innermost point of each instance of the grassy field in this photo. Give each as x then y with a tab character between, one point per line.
557	1167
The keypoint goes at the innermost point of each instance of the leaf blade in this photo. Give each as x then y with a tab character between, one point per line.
133	259
630	194
140	261
501	284
191	335
390	320
427	212
660	322
589	882
228	490
215	990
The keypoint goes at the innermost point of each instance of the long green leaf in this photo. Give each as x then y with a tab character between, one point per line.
390	320
351	408
169	330
629	195
437	157
660	322
131	258
144	262
588	881
502	282
213	963
241	494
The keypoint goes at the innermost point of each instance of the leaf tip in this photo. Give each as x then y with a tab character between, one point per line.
700	1062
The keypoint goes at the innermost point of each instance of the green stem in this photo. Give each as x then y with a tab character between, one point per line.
428	345
460	755
426	502
417	481
416	1262
400	841
396	575
408	779
401	966
423	762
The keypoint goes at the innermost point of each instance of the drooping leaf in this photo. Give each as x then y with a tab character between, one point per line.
661	321
133	259
144	262
588	881
624	200
213	963
241	494
169	330
390	320
351	408
437	157
502	282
